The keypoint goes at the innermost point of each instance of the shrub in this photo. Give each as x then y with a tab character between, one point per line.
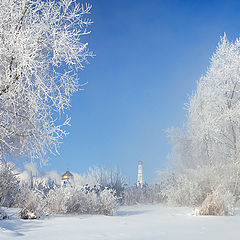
108	202
44	196
189	188
218	204
30	199
80	200
29	213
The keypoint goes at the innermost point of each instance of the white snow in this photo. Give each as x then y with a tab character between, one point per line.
148	222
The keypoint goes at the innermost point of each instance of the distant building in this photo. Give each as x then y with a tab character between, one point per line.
67	178
140	175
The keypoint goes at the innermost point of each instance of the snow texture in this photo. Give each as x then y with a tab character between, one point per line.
138	222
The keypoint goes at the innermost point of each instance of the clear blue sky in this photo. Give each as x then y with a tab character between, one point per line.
149	55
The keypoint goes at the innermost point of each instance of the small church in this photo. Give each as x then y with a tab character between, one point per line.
67	178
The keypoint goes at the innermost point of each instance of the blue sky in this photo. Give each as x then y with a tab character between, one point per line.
149	55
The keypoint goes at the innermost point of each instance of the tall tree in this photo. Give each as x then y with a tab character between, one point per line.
212	130
214	110
41	53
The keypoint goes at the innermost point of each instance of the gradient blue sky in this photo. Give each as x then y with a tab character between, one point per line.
149	55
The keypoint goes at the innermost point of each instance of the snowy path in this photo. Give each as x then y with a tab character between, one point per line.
131	223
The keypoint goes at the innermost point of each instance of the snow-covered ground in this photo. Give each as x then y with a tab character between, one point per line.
131	223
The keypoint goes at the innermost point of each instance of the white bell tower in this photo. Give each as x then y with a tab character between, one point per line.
140	175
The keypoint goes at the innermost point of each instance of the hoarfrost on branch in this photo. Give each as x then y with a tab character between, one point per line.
41	53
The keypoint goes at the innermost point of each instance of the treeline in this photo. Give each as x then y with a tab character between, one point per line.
100	191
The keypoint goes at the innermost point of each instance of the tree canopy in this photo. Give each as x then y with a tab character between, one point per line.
42	49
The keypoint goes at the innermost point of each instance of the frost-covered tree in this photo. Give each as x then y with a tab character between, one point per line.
214	110
41	52
212	131
210	143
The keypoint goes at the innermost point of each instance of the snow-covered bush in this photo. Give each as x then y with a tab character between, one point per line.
56	201
40	193
80	200
198	187
189	188
218	204
32	201
29	213
32	193
34	187
67	200
108	202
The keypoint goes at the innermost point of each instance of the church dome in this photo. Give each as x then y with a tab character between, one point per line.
67	175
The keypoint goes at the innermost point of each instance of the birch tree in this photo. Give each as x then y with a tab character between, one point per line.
42	50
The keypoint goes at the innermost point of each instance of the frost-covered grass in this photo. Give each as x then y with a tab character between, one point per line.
148	222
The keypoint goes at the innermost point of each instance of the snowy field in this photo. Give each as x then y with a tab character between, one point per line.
135	223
